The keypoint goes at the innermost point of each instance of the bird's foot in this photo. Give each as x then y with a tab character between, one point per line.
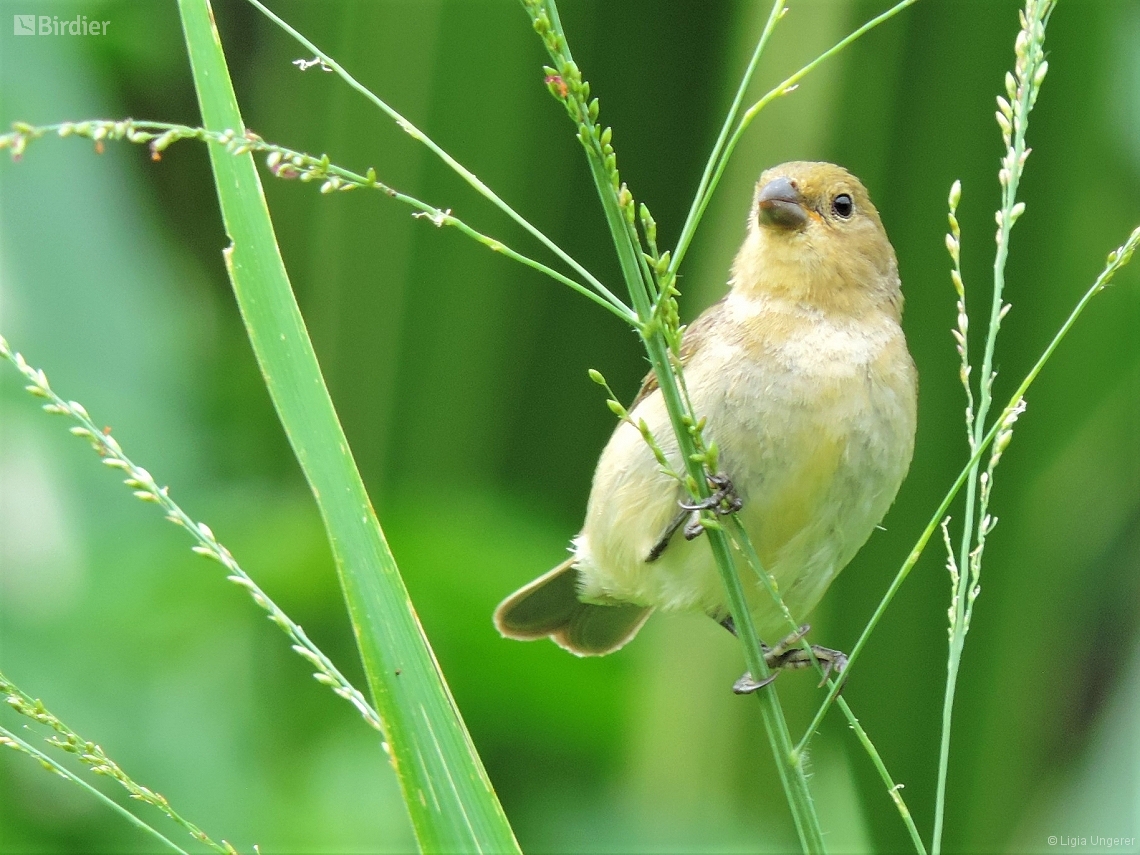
789	654
832	661
722	501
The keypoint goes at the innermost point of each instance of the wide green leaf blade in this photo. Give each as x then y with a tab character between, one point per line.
446	789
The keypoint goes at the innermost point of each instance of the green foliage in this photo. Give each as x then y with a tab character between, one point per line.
417	332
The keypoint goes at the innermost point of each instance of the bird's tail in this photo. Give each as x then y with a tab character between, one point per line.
549	606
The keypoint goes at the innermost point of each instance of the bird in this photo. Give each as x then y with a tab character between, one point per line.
804	379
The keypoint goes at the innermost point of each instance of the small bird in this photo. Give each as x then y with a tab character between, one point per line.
803	375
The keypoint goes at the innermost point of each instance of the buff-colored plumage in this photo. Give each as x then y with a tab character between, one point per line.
804	376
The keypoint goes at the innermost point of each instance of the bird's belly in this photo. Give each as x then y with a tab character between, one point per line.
820	488
815	475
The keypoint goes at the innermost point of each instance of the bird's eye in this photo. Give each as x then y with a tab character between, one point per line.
842	206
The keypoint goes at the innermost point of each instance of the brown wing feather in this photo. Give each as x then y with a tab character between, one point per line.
690	341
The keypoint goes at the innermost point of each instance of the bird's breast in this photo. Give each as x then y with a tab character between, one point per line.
814	419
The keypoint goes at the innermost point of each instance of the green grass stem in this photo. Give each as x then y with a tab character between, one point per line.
1013	118
459	169
11	740
618	205
722	152
1117	259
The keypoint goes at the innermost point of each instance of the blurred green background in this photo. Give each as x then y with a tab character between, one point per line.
461	382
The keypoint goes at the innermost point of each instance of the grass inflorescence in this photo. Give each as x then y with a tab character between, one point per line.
146	489
94	758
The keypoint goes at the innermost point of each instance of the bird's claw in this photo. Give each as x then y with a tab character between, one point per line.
722	502
746	685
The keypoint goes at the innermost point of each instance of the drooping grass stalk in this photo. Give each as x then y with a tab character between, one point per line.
285	163
95	759
10	740
459	169
146	489
1022	88
449	798
722	151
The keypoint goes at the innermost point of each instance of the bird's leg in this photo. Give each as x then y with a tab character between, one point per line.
775	656
723	501
663	541
831	660
787	654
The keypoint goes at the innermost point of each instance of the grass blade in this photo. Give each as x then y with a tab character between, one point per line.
446	790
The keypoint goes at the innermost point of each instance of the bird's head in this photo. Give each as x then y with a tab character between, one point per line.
815	237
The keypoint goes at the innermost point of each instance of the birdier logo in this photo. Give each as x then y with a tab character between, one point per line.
52	25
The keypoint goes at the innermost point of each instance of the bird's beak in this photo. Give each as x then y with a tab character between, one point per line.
780	205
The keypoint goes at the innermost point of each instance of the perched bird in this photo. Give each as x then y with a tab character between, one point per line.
803	374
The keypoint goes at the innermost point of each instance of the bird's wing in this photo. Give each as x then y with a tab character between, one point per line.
694	334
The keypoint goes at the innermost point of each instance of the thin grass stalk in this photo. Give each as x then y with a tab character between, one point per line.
96	760
707	188
619	208
10	740
288	164
707	183
1013	118
894	790
459	169
744	544
146	489
1116	260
